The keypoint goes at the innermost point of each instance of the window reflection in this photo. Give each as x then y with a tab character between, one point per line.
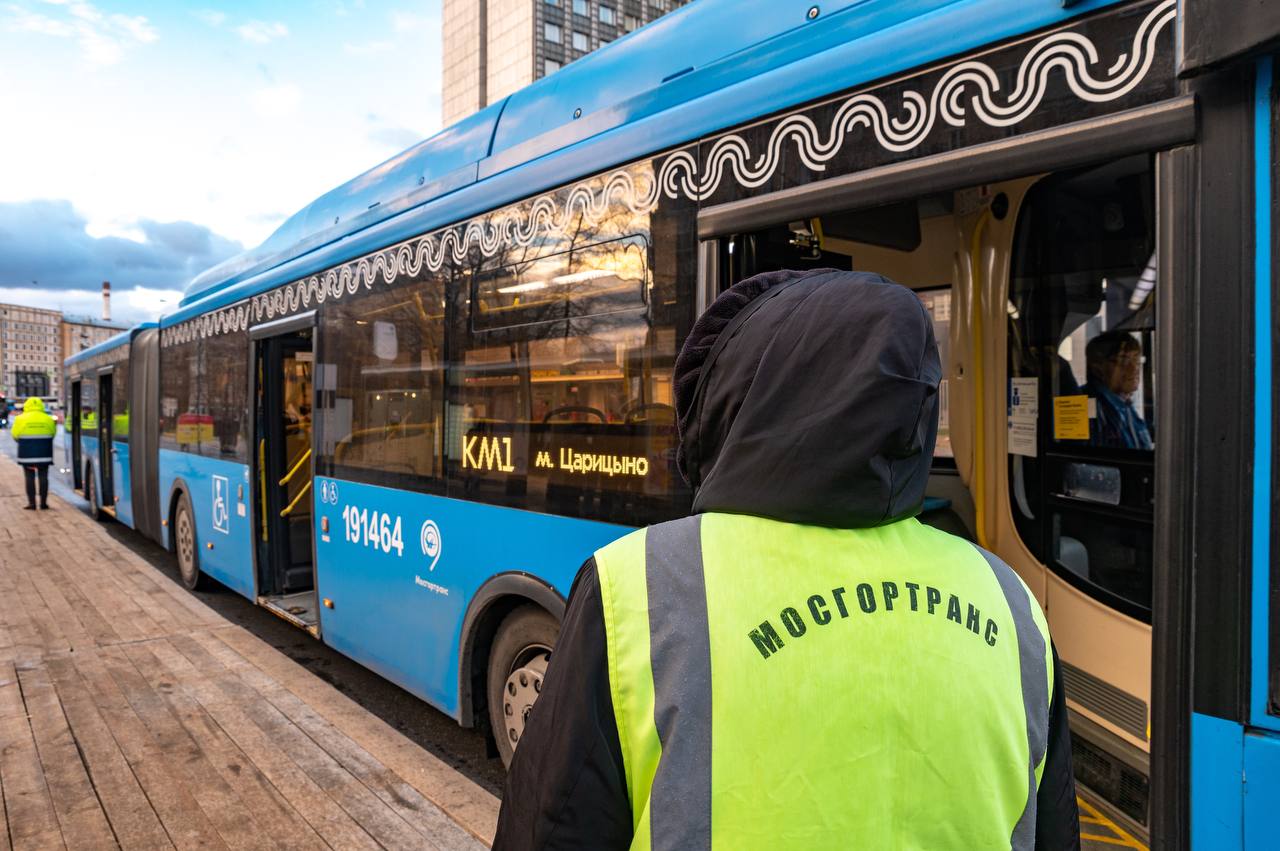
572	417
564	399
225	372
938	302
380	384
89	407
184	425
1083	413
538	378
593	280
120	402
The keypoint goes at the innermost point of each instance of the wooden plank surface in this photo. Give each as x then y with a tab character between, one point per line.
134	716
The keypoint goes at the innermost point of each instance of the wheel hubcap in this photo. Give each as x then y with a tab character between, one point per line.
186	545
522	688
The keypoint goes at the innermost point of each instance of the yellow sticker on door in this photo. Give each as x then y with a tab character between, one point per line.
1071	417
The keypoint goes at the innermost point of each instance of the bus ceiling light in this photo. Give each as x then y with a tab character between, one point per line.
1146	283
527	287
579	277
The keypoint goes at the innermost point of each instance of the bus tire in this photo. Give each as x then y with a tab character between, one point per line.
184	544
517	664
91	496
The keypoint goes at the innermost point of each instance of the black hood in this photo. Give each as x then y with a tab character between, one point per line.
810	397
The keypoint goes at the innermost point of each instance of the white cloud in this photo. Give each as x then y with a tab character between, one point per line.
99	49
103	39
277	101
99	228
85	12
146	301
212	17
137	26
22	20
411	22
368	48
262	32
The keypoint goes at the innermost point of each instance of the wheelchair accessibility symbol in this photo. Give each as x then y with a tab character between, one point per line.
431	543
221	511
329	493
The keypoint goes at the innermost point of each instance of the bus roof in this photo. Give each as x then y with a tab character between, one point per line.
707	66
118	340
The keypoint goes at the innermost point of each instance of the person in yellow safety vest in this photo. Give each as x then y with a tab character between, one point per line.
34	431
801	663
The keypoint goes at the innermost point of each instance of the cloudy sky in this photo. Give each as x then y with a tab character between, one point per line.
144	141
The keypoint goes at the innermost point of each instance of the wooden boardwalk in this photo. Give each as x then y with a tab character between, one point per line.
134	716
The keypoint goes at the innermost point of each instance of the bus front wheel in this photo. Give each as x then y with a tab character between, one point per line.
517	665
184	544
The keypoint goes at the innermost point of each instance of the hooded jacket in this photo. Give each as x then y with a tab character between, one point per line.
34	431
849	445
805	397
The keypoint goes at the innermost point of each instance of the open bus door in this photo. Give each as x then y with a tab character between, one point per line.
1070	509
283	471
106	451
72	427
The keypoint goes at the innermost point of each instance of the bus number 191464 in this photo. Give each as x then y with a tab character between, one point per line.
374	529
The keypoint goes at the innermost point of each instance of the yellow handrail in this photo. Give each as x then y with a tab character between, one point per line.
289	508
979	440
294	469
262	483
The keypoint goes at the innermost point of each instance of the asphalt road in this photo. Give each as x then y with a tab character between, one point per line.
436	732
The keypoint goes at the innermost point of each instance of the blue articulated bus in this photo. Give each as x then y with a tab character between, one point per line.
404	421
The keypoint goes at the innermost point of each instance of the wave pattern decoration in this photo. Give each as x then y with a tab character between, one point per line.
969	88
549	215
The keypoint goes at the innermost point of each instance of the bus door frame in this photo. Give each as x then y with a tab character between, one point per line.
106	448
1168	131
72	427
259	337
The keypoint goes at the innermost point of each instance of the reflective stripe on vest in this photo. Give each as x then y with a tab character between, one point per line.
35	449
776	684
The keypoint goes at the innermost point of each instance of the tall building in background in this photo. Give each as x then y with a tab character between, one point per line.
30	351
495	47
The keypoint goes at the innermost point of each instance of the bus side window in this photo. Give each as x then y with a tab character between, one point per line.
226	373
120	401
88	408
379	386
1082	410
563	399
180	423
